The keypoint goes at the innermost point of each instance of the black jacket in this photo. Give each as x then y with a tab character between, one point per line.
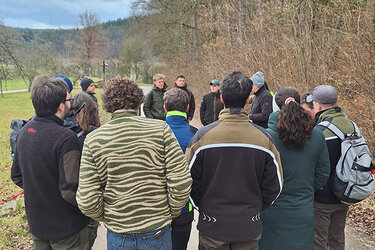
190	113
210	108
261	107
46	166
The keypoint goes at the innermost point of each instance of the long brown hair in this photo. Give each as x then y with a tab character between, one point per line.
294	125
89	114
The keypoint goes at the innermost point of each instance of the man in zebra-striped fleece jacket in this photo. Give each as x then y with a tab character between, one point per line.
133	176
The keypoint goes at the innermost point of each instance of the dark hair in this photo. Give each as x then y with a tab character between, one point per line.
294	125
235	90
47	92
89	114
176	99
303	100
121	93
180	76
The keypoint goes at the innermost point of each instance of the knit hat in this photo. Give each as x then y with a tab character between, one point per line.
67	80
85	83
215	82
323	94
258	79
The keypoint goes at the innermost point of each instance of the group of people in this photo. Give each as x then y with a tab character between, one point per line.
258	179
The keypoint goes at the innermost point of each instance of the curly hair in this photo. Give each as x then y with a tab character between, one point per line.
89	115
294	125
121	93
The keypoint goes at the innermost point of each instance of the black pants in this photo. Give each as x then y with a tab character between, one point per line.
180	239
181	227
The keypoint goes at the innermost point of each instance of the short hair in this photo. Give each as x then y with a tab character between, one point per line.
176	99
180	76
235	90
121	93
89	114
158	77
303	100
47	92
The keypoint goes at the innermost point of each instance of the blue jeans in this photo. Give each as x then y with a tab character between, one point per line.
158	239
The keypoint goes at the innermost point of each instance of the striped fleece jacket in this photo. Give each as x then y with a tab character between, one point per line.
236	173
133	175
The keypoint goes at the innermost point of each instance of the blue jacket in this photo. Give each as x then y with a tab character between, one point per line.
177	121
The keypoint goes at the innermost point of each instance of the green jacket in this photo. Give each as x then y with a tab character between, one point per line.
133	174
154	102
289	222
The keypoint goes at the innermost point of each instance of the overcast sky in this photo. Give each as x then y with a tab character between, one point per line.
43	14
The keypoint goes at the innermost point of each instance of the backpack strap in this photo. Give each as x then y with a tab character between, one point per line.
333	128
356	129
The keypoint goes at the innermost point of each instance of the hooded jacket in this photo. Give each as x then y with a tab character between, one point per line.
154	102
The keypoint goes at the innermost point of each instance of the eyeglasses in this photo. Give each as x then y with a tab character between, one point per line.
71	99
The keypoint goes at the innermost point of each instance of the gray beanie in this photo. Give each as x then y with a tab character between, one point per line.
258	79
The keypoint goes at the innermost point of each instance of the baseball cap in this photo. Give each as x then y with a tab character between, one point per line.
323	94
215	82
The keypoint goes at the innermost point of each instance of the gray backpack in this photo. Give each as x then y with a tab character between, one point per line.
352	181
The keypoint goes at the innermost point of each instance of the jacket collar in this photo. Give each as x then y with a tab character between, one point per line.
176	113
51	118
121	113
260	90
233	114
272	120
157	89
328	114
183	88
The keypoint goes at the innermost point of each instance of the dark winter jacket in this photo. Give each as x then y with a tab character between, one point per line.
236	173
261	107
338	118
305	171
154	102
210	108
176	120
92	95
46	166
190	113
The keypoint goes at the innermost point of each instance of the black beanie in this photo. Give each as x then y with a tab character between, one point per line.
85	83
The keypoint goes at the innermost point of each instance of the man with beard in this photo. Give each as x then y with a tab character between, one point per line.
46	166
180	83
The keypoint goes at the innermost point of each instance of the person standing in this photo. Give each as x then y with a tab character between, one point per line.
88	86
261	106
236	173
211	104
176	106
153	105
133	174
180	83
329	212
46	166
289	222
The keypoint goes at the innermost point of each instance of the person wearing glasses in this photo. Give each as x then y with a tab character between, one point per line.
46	167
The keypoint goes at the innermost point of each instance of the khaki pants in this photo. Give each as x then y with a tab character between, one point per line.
207	243
78	241
329	226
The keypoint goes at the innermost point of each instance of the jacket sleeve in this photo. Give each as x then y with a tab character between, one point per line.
322	168
272	180
147	105
68	168
16	173
203	111
177	173
266	110
90	191
191	111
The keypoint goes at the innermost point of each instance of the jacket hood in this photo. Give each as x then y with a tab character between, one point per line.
272	120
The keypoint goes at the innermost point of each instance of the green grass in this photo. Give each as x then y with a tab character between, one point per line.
15	84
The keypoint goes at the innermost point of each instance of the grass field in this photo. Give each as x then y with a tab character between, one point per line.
13	227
